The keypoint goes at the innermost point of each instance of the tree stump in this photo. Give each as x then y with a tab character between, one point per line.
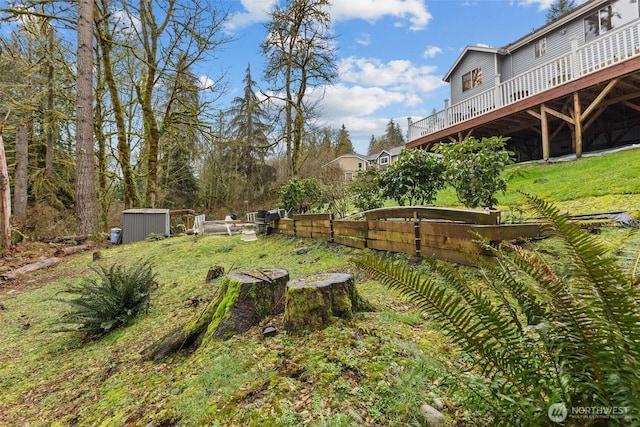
311	302
243	300
247	298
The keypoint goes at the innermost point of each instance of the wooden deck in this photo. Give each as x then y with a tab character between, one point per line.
559	108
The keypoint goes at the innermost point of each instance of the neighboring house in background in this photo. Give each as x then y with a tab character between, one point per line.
351	164
569	86
385	157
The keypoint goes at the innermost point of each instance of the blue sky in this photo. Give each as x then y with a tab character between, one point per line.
392	54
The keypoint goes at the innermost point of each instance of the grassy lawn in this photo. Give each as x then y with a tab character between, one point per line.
374	370
608	182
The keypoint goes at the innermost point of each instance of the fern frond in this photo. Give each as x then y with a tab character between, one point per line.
492	348
595	270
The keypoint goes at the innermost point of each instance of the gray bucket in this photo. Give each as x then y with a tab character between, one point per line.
116	234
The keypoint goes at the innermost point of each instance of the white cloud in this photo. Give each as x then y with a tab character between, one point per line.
364	39
432	51
255	11
397	74
205	82
413	10
543	4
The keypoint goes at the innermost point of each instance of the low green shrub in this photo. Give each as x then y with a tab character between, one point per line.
108	301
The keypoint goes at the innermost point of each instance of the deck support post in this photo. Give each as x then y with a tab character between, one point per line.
546	149
577	119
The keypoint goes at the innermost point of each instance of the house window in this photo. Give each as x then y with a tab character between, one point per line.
472	79
541	48
359	166
384	160
610	17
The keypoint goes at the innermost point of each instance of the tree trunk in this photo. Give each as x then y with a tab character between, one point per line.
243	300
85	161
21	178
129	190
312	301
5	201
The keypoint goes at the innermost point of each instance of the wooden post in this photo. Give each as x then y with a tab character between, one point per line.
331	227
577	112
546	149
416	232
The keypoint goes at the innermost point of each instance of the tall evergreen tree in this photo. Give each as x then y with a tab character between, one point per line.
343	142
393	135
373	145
248	129
559	8
177	185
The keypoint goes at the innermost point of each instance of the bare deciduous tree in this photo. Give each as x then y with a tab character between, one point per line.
300	56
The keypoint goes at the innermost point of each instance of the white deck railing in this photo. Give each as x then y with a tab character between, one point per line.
619	45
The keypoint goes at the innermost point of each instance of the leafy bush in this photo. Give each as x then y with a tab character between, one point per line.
416	176
538	334
336	196
300	195
366	190
101	304
474	168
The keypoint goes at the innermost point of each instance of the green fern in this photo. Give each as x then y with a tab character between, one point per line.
101	304
536	335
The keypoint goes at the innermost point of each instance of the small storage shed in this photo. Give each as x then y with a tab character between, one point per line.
137	224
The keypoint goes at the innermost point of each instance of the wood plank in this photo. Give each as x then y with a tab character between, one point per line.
457	244
356	229
453	256
283	224
474	216
446	229
320	235
386	245
312	217
284	232
401	226
392	236
511	231
322	230
350	241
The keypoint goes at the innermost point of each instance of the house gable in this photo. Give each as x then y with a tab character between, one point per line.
473	72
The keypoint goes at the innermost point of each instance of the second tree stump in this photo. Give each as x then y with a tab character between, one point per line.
311	302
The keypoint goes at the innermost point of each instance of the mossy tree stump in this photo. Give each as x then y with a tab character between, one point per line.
311	302
242	301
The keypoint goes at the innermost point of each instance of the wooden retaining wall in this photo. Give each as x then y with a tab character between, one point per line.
440	233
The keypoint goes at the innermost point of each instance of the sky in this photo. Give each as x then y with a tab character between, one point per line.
391	54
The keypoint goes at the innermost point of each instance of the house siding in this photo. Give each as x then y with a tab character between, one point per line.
473	60
523	59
